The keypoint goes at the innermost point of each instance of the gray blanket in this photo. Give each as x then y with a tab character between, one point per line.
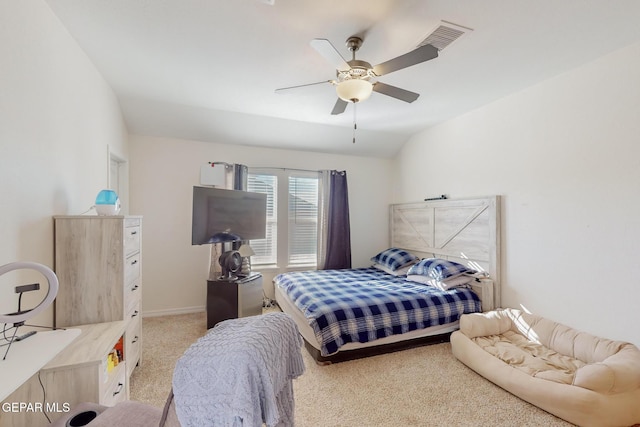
240	374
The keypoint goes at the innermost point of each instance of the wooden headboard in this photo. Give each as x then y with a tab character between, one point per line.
463	230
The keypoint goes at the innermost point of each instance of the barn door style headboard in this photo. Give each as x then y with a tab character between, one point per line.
463	230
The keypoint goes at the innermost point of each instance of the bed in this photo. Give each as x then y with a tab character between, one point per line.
347	314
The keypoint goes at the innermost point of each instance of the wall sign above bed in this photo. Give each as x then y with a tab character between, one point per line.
463	230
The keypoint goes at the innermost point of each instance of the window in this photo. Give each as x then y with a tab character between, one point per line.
303	219
266	249
292	217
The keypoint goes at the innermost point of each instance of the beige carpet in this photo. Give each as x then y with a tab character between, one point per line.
425	386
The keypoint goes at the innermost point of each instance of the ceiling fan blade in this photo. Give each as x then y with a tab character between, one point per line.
328	52
395	92
286	89
416	56
339	108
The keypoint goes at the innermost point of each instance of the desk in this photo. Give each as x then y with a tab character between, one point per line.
77	374
27	357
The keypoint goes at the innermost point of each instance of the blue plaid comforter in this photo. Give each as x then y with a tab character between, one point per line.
364	304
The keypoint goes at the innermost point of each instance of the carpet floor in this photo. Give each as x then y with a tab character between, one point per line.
424	386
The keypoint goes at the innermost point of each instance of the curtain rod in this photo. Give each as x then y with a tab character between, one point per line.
283	169
229	165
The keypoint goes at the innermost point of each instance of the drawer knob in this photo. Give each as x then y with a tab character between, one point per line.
134	288
119	389
135	339
135	313
133	233
134	262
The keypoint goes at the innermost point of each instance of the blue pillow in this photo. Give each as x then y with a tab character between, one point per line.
394	258
439	269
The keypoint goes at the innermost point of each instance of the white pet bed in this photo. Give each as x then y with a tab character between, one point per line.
581	378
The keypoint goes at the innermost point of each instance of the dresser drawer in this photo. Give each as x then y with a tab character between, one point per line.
131	240
132	296
116	390
133	344
131	269
133	314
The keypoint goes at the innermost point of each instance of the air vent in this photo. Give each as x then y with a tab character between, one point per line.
444	35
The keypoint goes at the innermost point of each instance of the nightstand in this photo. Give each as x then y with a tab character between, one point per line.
233	298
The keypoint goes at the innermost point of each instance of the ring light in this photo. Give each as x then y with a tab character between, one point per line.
52	279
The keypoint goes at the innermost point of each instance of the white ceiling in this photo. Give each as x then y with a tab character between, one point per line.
207	69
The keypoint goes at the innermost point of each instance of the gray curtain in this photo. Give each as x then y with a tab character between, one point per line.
236	179
336	233
236	176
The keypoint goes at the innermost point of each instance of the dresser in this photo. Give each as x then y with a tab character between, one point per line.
98	263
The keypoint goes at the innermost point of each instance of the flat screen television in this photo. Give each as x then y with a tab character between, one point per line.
221	215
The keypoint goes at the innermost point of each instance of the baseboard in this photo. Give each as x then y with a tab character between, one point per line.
173	311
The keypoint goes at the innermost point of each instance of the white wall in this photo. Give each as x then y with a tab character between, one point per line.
162	174
57	116
565	156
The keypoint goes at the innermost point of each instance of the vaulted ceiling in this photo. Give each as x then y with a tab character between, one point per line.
208	69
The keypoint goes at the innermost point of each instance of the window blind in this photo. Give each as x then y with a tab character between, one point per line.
266	249
303	219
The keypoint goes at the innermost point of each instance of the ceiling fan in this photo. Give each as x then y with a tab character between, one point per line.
357	79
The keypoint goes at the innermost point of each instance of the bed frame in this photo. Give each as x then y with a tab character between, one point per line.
463	230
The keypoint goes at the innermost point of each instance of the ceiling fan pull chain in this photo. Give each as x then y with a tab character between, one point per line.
355	126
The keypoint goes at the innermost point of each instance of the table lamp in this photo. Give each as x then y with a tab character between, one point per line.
246	252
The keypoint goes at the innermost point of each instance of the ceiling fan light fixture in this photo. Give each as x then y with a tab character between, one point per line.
354	90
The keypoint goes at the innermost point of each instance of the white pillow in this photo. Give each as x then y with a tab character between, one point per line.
443	285
402	271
